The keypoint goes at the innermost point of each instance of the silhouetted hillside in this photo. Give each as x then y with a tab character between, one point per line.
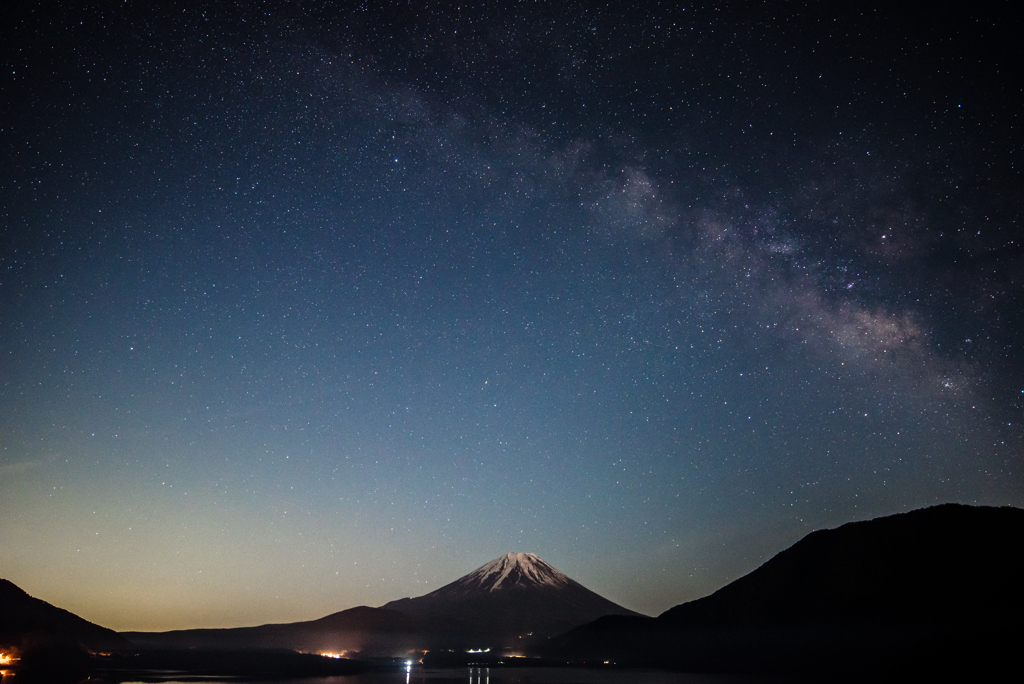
33	626
868	594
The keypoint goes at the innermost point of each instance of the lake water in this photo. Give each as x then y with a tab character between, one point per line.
515	675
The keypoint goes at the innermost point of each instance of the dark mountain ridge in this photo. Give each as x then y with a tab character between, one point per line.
29	625
949	563
865	592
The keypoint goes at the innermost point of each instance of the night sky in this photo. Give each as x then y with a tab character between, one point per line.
309	305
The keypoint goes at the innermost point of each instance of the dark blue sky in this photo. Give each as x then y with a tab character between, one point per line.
305	306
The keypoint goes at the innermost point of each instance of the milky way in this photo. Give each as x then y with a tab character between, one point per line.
310	307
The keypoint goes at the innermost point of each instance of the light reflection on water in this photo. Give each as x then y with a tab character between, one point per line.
511	675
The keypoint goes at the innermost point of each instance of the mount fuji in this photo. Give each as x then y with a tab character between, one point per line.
513	601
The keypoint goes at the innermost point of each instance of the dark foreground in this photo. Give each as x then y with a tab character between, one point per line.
940	661
64	666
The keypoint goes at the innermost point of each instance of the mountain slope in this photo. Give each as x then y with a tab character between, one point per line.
862	593
946	564
372	630
28	623
511	601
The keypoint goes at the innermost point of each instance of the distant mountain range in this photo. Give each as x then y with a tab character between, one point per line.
373	631
941	584
513	602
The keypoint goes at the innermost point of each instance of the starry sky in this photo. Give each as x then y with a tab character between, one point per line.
310	305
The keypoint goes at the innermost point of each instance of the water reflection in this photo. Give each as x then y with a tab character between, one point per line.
414	673
482	674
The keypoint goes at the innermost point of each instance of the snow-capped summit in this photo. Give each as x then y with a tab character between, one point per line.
514	569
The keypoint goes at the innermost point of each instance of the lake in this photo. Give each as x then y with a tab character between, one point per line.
513	675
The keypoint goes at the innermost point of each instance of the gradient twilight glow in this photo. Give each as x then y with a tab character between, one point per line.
305	306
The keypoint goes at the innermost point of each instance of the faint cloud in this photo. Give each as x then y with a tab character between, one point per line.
19	467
